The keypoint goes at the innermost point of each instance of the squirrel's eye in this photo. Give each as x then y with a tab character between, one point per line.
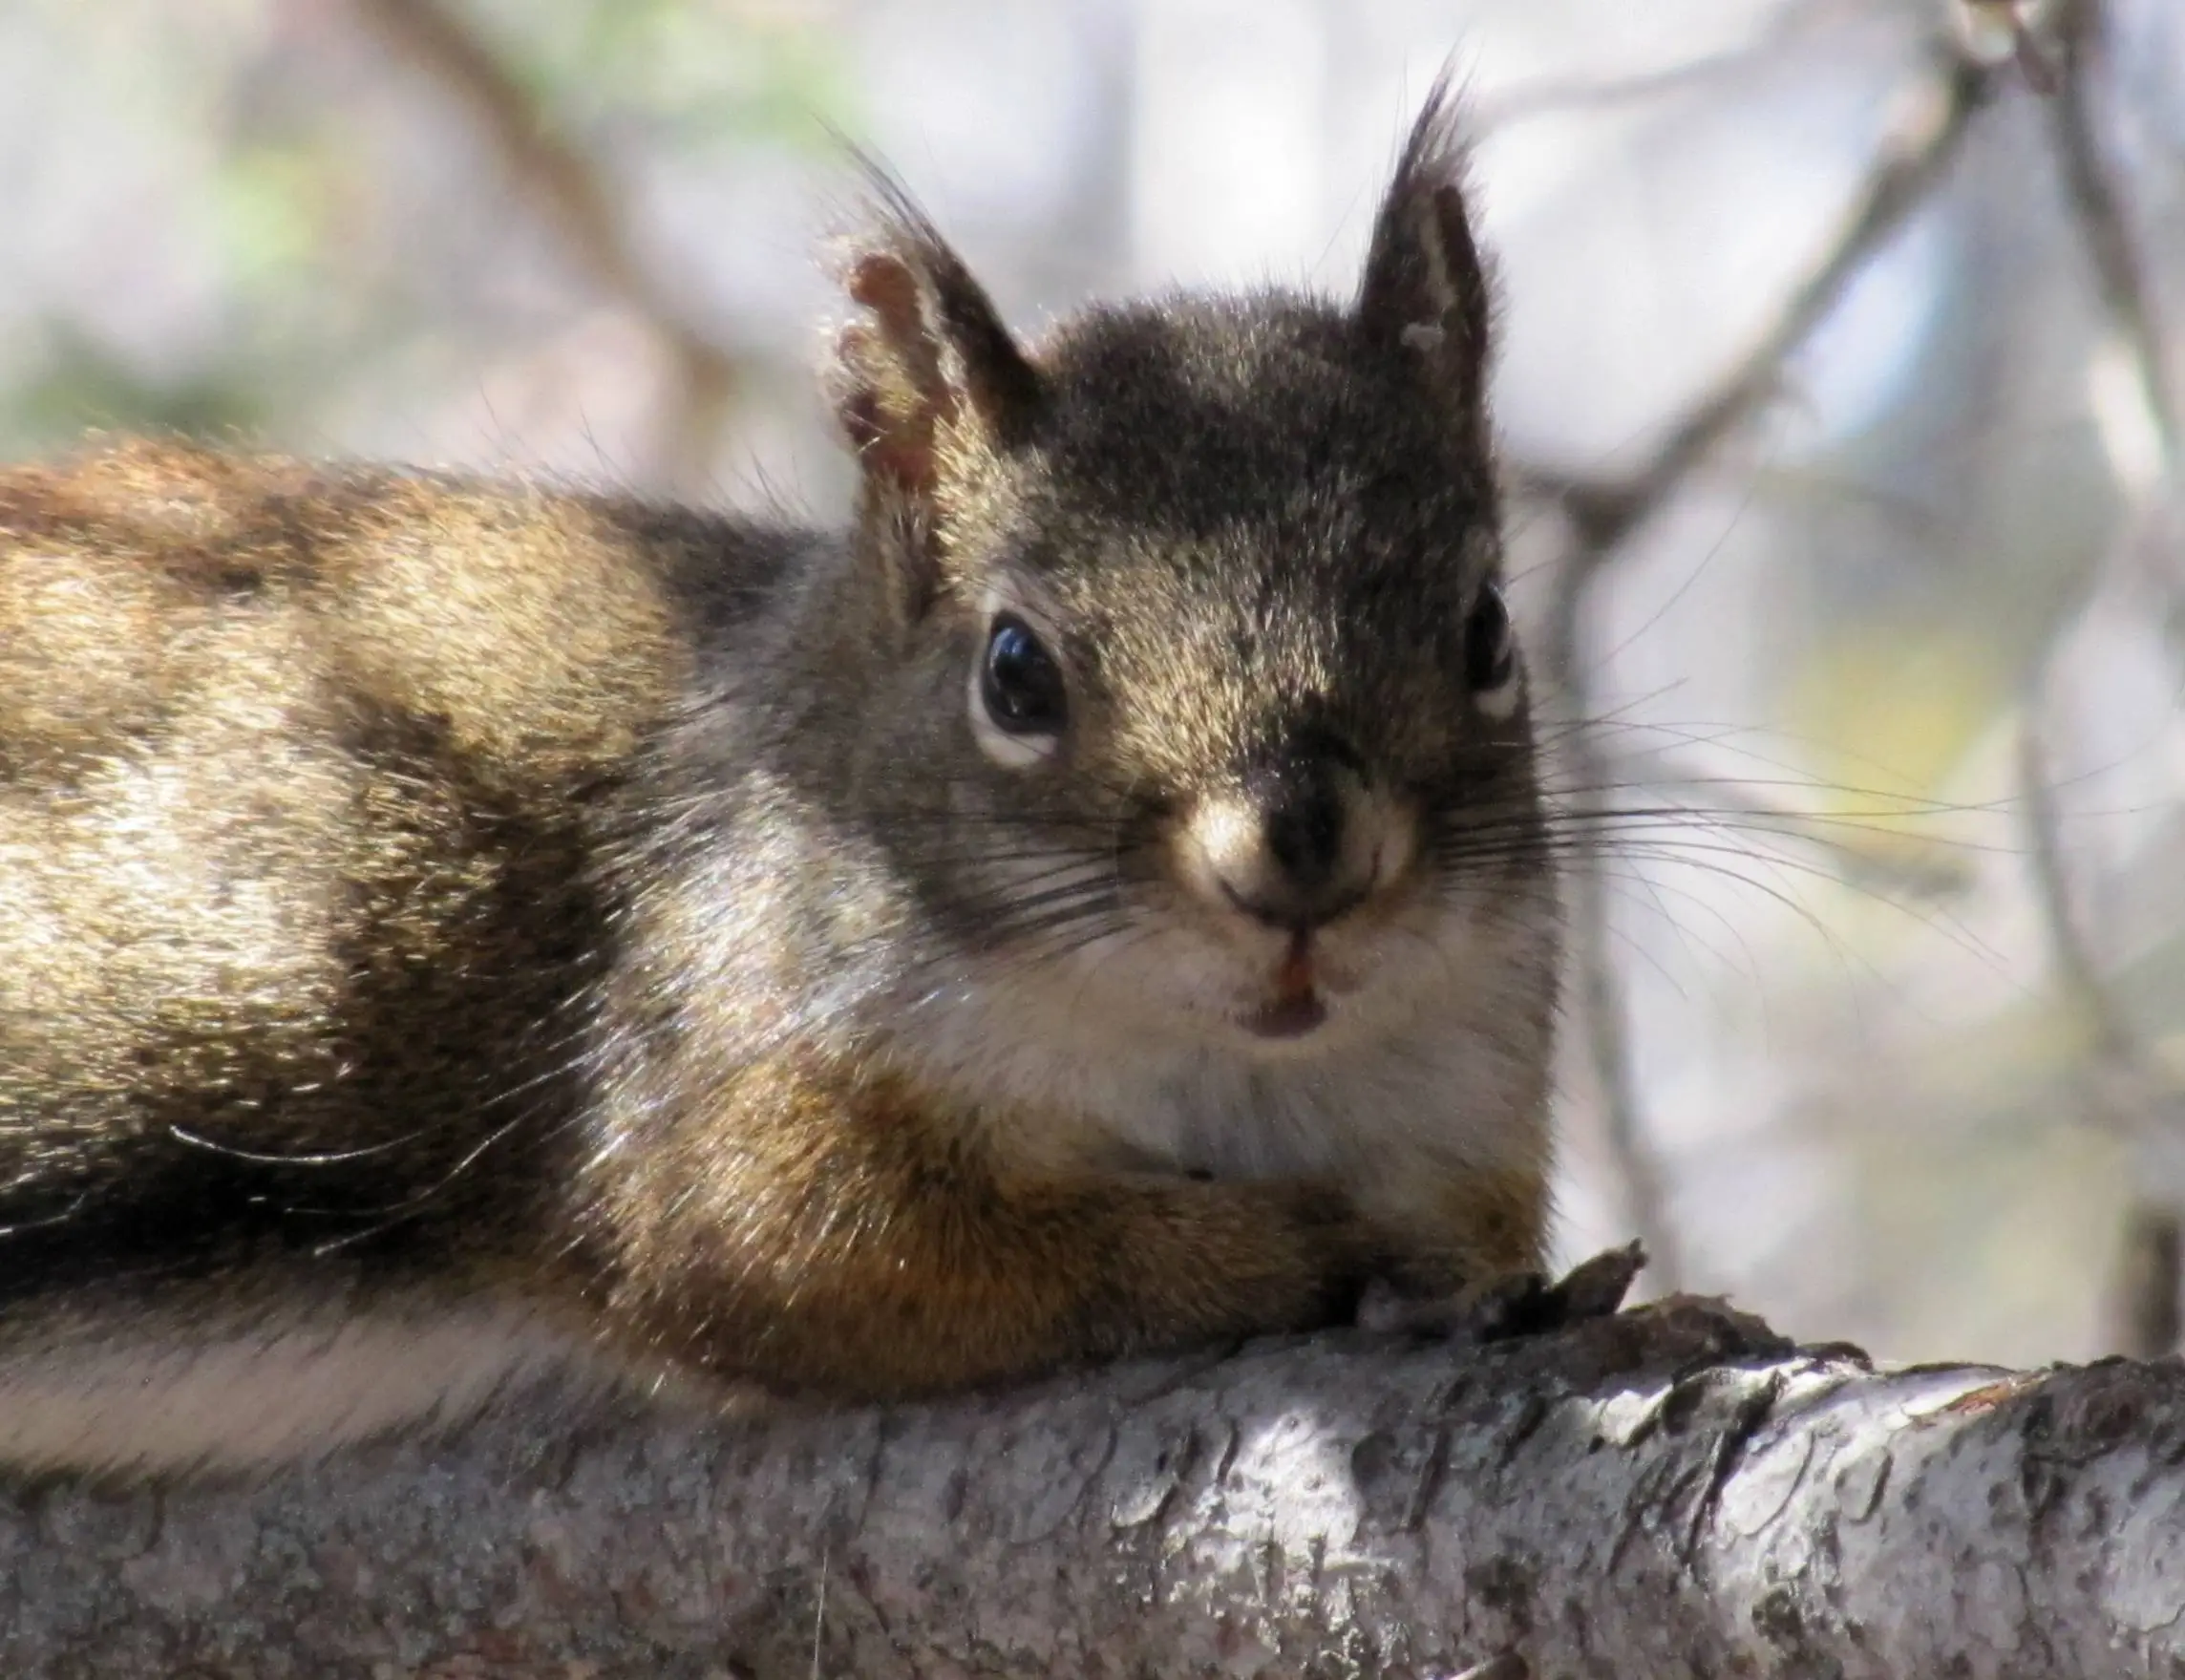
1022	688
1019	696
1490	647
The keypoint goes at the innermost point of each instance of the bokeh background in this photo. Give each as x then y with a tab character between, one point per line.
1840	413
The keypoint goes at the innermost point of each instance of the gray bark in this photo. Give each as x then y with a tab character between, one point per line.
1673	1491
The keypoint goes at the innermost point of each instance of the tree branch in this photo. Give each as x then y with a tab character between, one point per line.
1671	1490
1602	513
569	189
2128	1090
2097	203
2129	1093
1937	115
1554	95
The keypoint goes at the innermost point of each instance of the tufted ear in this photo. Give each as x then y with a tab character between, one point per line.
1426	297
927	384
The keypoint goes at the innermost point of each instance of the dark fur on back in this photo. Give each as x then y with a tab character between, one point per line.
302	775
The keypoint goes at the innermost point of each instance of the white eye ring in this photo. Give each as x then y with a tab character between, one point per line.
1010	751
1501	703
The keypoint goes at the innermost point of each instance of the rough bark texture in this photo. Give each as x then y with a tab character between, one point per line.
1670	1492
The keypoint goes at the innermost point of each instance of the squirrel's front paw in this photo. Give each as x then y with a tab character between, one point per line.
1520	1304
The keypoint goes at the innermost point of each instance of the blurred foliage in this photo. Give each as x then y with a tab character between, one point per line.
275	209
709	73
78	385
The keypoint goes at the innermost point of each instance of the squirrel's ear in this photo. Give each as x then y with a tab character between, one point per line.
1426	295
927	383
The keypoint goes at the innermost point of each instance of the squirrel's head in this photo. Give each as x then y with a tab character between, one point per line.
1203	700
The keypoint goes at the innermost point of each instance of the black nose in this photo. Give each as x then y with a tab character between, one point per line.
1301	818
1285	847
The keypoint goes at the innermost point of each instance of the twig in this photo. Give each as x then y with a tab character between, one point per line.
2001	32
1599	994
2128	1094
2147	1308
2147	1311
2097	202
1937	114
568	187
1603	513
1552	95
2077	976
1602	1018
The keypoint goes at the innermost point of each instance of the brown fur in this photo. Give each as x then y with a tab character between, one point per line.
846	1237
364	689
418	892
293	831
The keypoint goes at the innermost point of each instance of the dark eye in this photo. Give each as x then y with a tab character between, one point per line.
1019	684
1490	650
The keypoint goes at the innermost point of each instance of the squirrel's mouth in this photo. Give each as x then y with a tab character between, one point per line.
1296	1006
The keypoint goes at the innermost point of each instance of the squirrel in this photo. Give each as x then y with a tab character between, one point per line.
1099	903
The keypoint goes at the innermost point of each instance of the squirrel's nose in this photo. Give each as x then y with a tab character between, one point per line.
1302	817
1294	843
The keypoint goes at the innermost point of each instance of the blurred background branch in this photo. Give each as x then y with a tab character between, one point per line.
1602	513
2105	223
574	192
2128	1090
1938	109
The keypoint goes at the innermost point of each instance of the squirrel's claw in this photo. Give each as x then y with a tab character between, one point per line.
1522	1304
